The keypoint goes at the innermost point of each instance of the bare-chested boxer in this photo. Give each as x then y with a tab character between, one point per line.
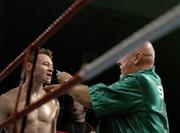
42	119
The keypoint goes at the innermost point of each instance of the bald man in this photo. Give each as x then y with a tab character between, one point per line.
133	104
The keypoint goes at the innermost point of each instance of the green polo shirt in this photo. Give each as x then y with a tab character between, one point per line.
134	104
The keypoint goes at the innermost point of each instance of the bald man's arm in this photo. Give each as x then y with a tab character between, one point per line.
80	93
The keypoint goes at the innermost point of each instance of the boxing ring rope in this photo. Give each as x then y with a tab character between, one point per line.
49	32
153	31
29	88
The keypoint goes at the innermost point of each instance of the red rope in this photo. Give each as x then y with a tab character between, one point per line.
50	31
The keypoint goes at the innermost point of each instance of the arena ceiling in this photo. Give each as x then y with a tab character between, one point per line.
102	22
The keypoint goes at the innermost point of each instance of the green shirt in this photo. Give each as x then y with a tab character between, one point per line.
134	104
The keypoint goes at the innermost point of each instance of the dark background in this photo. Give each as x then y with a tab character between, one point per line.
96	29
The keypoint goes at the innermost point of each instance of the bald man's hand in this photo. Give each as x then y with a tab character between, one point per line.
64	77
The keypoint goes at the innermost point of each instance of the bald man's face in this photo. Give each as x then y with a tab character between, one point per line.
126	63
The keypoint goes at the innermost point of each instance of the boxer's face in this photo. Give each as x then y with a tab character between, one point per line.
44	69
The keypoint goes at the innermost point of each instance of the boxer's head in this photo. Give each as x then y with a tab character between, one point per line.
44	66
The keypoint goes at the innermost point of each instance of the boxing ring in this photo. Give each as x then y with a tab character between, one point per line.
152	31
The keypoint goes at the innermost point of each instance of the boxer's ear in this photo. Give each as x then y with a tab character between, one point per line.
28	66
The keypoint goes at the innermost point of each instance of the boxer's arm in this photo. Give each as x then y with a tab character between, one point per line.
3	109
54	123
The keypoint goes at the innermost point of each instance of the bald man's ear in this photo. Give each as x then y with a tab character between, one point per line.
138	58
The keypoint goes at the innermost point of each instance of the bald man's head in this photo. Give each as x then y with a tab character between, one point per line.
145	55
147	49
139	59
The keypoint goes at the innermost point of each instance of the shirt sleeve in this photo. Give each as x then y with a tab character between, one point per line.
124	95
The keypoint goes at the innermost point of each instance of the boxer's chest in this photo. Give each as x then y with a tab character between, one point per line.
45	113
